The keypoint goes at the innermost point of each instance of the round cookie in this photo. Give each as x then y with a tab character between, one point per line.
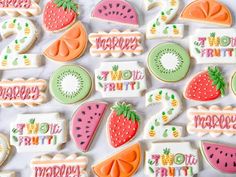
5	149
233	83
168	62
70	84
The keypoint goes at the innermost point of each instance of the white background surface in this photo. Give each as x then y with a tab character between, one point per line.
100	148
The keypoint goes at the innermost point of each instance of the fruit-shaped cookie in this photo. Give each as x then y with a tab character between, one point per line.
70	46
116	11
220	156
59	14
121	164
206	85
122	124
4	149
85	123
208	11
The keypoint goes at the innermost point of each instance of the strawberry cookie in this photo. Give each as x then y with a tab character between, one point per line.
122	125
206	86
59	14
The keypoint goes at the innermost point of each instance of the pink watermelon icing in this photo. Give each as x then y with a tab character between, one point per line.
117	11
219	156
85	122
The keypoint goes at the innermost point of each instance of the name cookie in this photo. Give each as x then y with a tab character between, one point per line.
85	123
120	79
206	85
38	132
70	46
214	46
172	107
213	120
123	163
159	27
4	149
70	84
7	174
14	54
168	62
171	159
208	11
59	165
20	7
116	11
220	156
122	124
20	92
59	14
116	43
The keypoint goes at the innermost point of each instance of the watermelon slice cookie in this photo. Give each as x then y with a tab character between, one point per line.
206	86
122	125
219	156
116	11
85	123
59	14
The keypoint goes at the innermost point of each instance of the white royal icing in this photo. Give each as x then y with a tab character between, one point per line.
4	148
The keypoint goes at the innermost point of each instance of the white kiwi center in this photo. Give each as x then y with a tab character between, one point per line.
70	84
169	61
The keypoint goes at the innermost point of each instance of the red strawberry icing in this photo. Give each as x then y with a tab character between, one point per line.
58	18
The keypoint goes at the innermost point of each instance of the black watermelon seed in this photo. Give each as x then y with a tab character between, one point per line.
129	10
97	106
89	107
110	5
209	147
117	13
95	114
211	155
226	154
221	152
89	122
83	112
88	136
79	120
234	164
99	114
113	12
91	117
216	148
109	13
82	142
218	161
87	131
87	126
231	155
78	128
78	135
131	16
106	14
121	14
125	17
226	164
100	11
105	7
123	7
117	5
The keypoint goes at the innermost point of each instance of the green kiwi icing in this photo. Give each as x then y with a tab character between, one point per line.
169	62
70	84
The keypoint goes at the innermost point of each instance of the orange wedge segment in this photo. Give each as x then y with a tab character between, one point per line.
209	11
70	45
122	164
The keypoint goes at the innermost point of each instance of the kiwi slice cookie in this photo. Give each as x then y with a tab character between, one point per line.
70	84
169	62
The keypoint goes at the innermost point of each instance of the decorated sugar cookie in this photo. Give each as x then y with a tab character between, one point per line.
14	54
122	124
220	156
213	120
7	174
38	132
168	62
59	165
70	84
116	11
19	7
20	92
172	106
208	11
206	85
122	164
171	159
120	79
59	14
116	43
70	46
233	83
4	149
159	27
85	123
213	46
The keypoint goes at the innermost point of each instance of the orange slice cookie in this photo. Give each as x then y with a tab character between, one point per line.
209	11
70	45
122	164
